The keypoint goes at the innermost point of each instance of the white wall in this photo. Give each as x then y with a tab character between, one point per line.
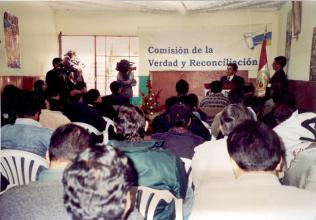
38	39
39	27
301	48
131	23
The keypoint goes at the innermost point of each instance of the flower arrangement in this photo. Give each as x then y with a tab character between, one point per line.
150	104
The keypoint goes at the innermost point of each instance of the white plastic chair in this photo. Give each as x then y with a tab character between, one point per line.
109	122
147	199
20	167
187	165
90	128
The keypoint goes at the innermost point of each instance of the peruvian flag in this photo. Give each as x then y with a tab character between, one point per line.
263	71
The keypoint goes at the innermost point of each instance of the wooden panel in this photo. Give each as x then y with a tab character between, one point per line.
305	94
22	82
166	80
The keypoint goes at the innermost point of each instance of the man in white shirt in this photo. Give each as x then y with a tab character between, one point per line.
211	160
256	157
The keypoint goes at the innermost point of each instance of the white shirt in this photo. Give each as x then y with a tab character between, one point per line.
253	196
211	162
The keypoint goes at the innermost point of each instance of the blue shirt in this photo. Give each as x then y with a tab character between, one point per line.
26	134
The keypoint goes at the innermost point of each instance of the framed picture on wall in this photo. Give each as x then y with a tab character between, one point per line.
11	36
312	76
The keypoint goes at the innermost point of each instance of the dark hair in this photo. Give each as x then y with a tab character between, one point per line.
92	96
254	147
67	141
191	100
170	101
233	65
232	116
182	87
216	86
80	85
38	84
96	184
28	105
115	86
180	115
123	66
236	96
56	60
280	60
282	112
130	123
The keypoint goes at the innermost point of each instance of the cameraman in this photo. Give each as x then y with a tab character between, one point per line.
125	77
56	78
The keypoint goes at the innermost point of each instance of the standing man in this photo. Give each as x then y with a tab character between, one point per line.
278	83
56	78
231	76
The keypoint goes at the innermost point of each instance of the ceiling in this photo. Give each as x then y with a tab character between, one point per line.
181	7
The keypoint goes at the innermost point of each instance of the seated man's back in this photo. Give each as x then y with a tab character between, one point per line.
27	133
257	157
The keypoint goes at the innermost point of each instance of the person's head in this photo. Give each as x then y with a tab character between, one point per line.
70	53
182	87
254	147
81	86
180	115
279	63
123	66
93	96
231	69
236	96
170	101
191	100
281	113
39	86
57	62
29	106
216	86
130	123
233	115
67	141
97	184
115	87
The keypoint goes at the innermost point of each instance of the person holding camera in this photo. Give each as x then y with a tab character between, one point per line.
125	77
56	78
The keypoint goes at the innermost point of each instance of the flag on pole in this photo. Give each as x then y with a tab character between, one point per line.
263	71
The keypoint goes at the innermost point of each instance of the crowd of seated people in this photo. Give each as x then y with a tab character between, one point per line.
238	167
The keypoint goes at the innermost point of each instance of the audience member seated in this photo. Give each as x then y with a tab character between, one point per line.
155	167
78	111
93	98
193	101
182	87
56	102
235	96
179	140
26	133
39	88
278	114
302	171
105	177
161	123
296	133
115	98
43	199
50	118
211	160
215	97
256	156
232	78
9	104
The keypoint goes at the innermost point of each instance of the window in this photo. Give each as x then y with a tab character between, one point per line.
99	54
